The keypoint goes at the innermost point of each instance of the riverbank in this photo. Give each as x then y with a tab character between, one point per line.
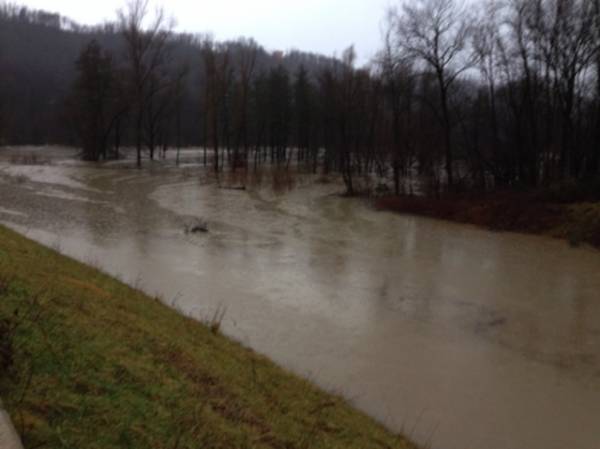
532	213
89	362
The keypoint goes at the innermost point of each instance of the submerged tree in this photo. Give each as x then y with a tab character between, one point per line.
304	118
147	51
94	101
279	114
247	53
218	77
435	33
397	75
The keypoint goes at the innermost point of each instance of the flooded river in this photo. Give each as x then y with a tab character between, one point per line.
459	337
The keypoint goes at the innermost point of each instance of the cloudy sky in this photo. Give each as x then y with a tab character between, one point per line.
324	26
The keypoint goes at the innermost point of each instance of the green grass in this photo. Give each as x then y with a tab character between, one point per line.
87	362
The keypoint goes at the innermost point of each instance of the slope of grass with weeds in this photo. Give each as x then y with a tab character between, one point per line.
87	362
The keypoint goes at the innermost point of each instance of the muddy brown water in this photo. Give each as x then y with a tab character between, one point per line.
459	337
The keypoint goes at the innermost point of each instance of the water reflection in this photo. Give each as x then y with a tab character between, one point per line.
462	337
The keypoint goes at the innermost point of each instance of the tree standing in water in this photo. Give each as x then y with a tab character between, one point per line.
146	58
93	100
435	33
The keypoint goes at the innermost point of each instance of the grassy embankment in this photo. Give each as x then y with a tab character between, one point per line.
563	212
87	362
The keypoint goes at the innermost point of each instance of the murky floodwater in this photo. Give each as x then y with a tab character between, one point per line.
459	337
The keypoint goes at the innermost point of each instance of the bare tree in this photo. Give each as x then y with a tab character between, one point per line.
486	46
218	73
93	100
435	32
347	98
397	73
593	165
247	54
565	31
146	57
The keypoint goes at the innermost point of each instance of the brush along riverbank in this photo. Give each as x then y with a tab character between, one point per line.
575	221
88	362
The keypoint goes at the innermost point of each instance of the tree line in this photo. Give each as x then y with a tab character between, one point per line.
499	94
43	57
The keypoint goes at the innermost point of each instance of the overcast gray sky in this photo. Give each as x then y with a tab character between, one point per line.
323	26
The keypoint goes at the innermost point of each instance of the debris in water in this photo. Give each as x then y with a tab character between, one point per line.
196	227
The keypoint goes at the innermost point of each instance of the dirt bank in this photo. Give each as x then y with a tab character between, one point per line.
578	222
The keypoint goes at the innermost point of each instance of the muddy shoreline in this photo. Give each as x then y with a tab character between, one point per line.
576	222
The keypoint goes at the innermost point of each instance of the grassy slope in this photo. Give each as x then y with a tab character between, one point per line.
100	365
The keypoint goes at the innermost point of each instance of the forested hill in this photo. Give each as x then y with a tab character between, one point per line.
38	54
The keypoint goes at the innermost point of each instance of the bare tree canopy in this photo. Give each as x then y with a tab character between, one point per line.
436	34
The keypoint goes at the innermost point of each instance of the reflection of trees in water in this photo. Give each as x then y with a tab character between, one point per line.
424	270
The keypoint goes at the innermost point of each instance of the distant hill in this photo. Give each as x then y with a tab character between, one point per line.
38	50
